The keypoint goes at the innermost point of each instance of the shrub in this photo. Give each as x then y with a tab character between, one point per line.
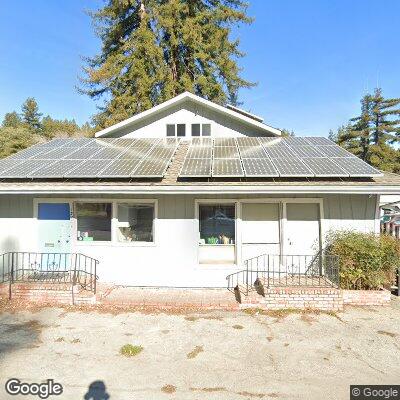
366	260
130	350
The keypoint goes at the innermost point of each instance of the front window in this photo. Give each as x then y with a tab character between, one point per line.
135	222
217	224
93	221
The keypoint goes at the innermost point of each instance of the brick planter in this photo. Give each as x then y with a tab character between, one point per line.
366	297
325	299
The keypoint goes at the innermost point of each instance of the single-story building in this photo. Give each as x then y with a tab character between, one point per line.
182	195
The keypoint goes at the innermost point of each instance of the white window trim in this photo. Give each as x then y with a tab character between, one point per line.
114	219
283	201
237	245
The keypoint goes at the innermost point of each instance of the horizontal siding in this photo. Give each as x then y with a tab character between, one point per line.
173	261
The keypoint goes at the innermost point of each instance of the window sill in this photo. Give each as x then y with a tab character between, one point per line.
115	244
216	245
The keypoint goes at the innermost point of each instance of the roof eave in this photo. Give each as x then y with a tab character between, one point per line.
203	189
179	99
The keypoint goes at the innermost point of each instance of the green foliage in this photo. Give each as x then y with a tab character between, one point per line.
372	134
367	261
15	139
54	127
31	115
12	120
129	350
287	133
155	49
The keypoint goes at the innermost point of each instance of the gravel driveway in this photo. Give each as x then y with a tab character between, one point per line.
216	355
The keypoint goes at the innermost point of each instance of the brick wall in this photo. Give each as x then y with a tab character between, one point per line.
326	299
366	297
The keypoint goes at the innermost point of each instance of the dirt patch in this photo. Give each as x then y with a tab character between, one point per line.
168	389
307	319
193	318
209	389
165	331
60	339
195	352
237	327
386	333
75	341
270	338
254	395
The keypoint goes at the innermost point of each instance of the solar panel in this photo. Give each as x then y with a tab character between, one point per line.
319	141
110	152
247	141
58	169
54	154
226	152
84	153
288	167
8	163
224	142
227	168
199	152
356	167
25	168
30	152
279	152
87	169
296	141
119	168
202	142
150	169
324	167
307	151
252	152
334	151
194	167
259	167
79	142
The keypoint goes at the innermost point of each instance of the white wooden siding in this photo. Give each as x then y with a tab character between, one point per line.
189	113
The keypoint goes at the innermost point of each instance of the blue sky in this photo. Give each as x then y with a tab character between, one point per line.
312	59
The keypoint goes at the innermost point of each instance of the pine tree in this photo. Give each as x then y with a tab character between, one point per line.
155	49
371	135
12	120
31	115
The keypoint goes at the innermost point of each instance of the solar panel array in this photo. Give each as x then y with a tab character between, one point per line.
271	157
92	158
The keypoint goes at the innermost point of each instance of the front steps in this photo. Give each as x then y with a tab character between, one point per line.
291	297
47	293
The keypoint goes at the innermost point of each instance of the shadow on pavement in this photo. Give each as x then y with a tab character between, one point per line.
97	391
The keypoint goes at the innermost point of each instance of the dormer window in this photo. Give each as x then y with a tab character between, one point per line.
201	129
176	130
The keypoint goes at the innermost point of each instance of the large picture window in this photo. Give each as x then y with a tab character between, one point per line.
217	224
135	222
93	221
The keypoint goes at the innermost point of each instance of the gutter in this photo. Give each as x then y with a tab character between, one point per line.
199	189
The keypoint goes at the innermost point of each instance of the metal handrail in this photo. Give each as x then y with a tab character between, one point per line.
286	270
55	268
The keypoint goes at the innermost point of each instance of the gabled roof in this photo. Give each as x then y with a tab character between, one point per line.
233	113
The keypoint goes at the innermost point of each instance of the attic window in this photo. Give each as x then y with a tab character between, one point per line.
176	130
201	129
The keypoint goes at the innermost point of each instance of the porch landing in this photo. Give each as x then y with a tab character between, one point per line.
166	298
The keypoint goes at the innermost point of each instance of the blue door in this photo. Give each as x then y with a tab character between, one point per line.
54	220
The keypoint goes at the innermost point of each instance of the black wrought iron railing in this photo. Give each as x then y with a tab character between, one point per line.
57	268
269	270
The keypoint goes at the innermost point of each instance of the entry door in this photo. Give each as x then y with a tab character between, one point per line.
54	227
302	229
260	229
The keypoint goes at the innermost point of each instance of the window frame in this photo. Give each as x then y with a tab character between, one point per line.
133	203
114	223
75	221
